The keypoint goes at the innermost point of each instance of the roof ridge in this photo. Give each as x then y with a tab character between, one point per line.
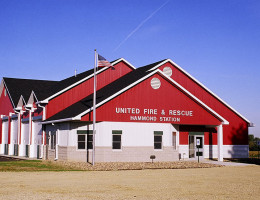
26	79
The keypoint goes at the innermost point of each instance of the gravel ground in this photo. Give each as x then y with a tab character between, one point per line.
113	166
240	182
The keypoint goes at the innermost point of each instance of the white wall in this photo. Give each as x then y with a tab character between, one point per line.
4	135
63	133
36	133
133	134
5	132
64	130
184	151
13	137
210	151
235	151
14	131
25	133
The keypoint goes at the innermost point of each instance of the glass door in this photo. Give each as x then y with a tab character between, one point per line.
191	146
199	146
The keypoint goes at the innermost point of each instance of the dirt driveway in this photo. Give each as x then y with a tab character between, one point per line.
240	182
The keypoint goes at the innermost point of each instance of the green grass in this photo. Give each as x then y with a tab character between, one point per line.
31	165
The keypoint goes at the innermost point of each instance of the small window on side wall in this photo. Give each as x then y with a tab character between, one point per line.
158	139
81	141
116	139
85	139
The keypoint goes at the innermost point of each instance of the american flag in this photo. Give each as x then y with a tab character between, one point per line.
102	62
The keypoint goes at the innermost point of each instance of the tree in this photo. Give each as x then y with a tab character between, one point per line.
252	141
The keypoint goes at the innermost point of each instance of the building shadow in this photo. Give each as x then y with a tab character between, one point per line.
239	136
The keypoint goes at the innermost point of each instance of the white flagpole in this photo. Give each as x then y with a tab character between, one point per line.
94	111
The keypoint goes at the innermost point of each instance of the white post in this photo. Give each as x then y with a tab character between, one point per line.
57	144
19	129
94	111
30	127
43	130
220	143
12	135
43	140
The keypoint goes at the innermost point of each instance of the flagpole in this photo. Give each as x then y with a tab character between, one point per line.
94	111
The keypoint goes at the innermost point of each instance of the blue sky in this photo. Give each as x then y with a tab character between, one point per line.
216	41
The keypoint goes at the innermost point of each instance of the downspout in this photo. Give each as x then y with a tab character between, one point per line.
43	130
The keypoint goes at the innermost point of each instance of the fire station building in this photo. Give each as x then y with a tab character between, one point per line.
158	109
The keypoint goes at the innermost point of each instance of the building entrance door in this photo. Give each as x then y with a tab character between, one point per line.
199	146
191	146
194	142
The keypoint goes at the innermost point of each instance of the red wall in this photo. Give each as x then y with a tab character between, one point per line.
237	130
5	108
86	88
5	104
0	131
184	138
143	96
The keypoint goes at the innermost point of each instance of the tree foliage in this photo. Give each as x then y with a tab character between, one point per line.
253	143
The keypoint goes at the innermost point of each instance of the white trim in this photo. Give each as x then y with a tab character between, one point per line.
224	121
122	59
57	121
31	100
23	102
203	86
84	79
1	87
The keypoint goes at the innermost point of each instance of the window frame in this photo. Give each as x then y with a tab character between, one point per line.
52	140
158	134
116	133
87	134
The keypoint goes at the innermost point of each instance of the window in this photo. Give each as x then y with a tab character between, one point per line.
81	141
90	141
85	139
116	139
52	139
174	140
158	139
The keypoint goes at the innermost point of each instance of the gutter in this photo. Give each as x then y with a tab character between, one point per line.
61	120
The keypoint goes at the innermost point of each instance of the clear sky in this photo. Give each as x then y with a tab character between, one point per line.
216	41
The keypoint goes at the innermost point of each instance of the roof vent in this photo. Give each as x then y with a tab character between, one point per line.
75	72
155	83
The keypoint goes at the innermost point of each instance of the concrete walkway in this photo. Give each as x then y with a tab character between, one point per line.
225	163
